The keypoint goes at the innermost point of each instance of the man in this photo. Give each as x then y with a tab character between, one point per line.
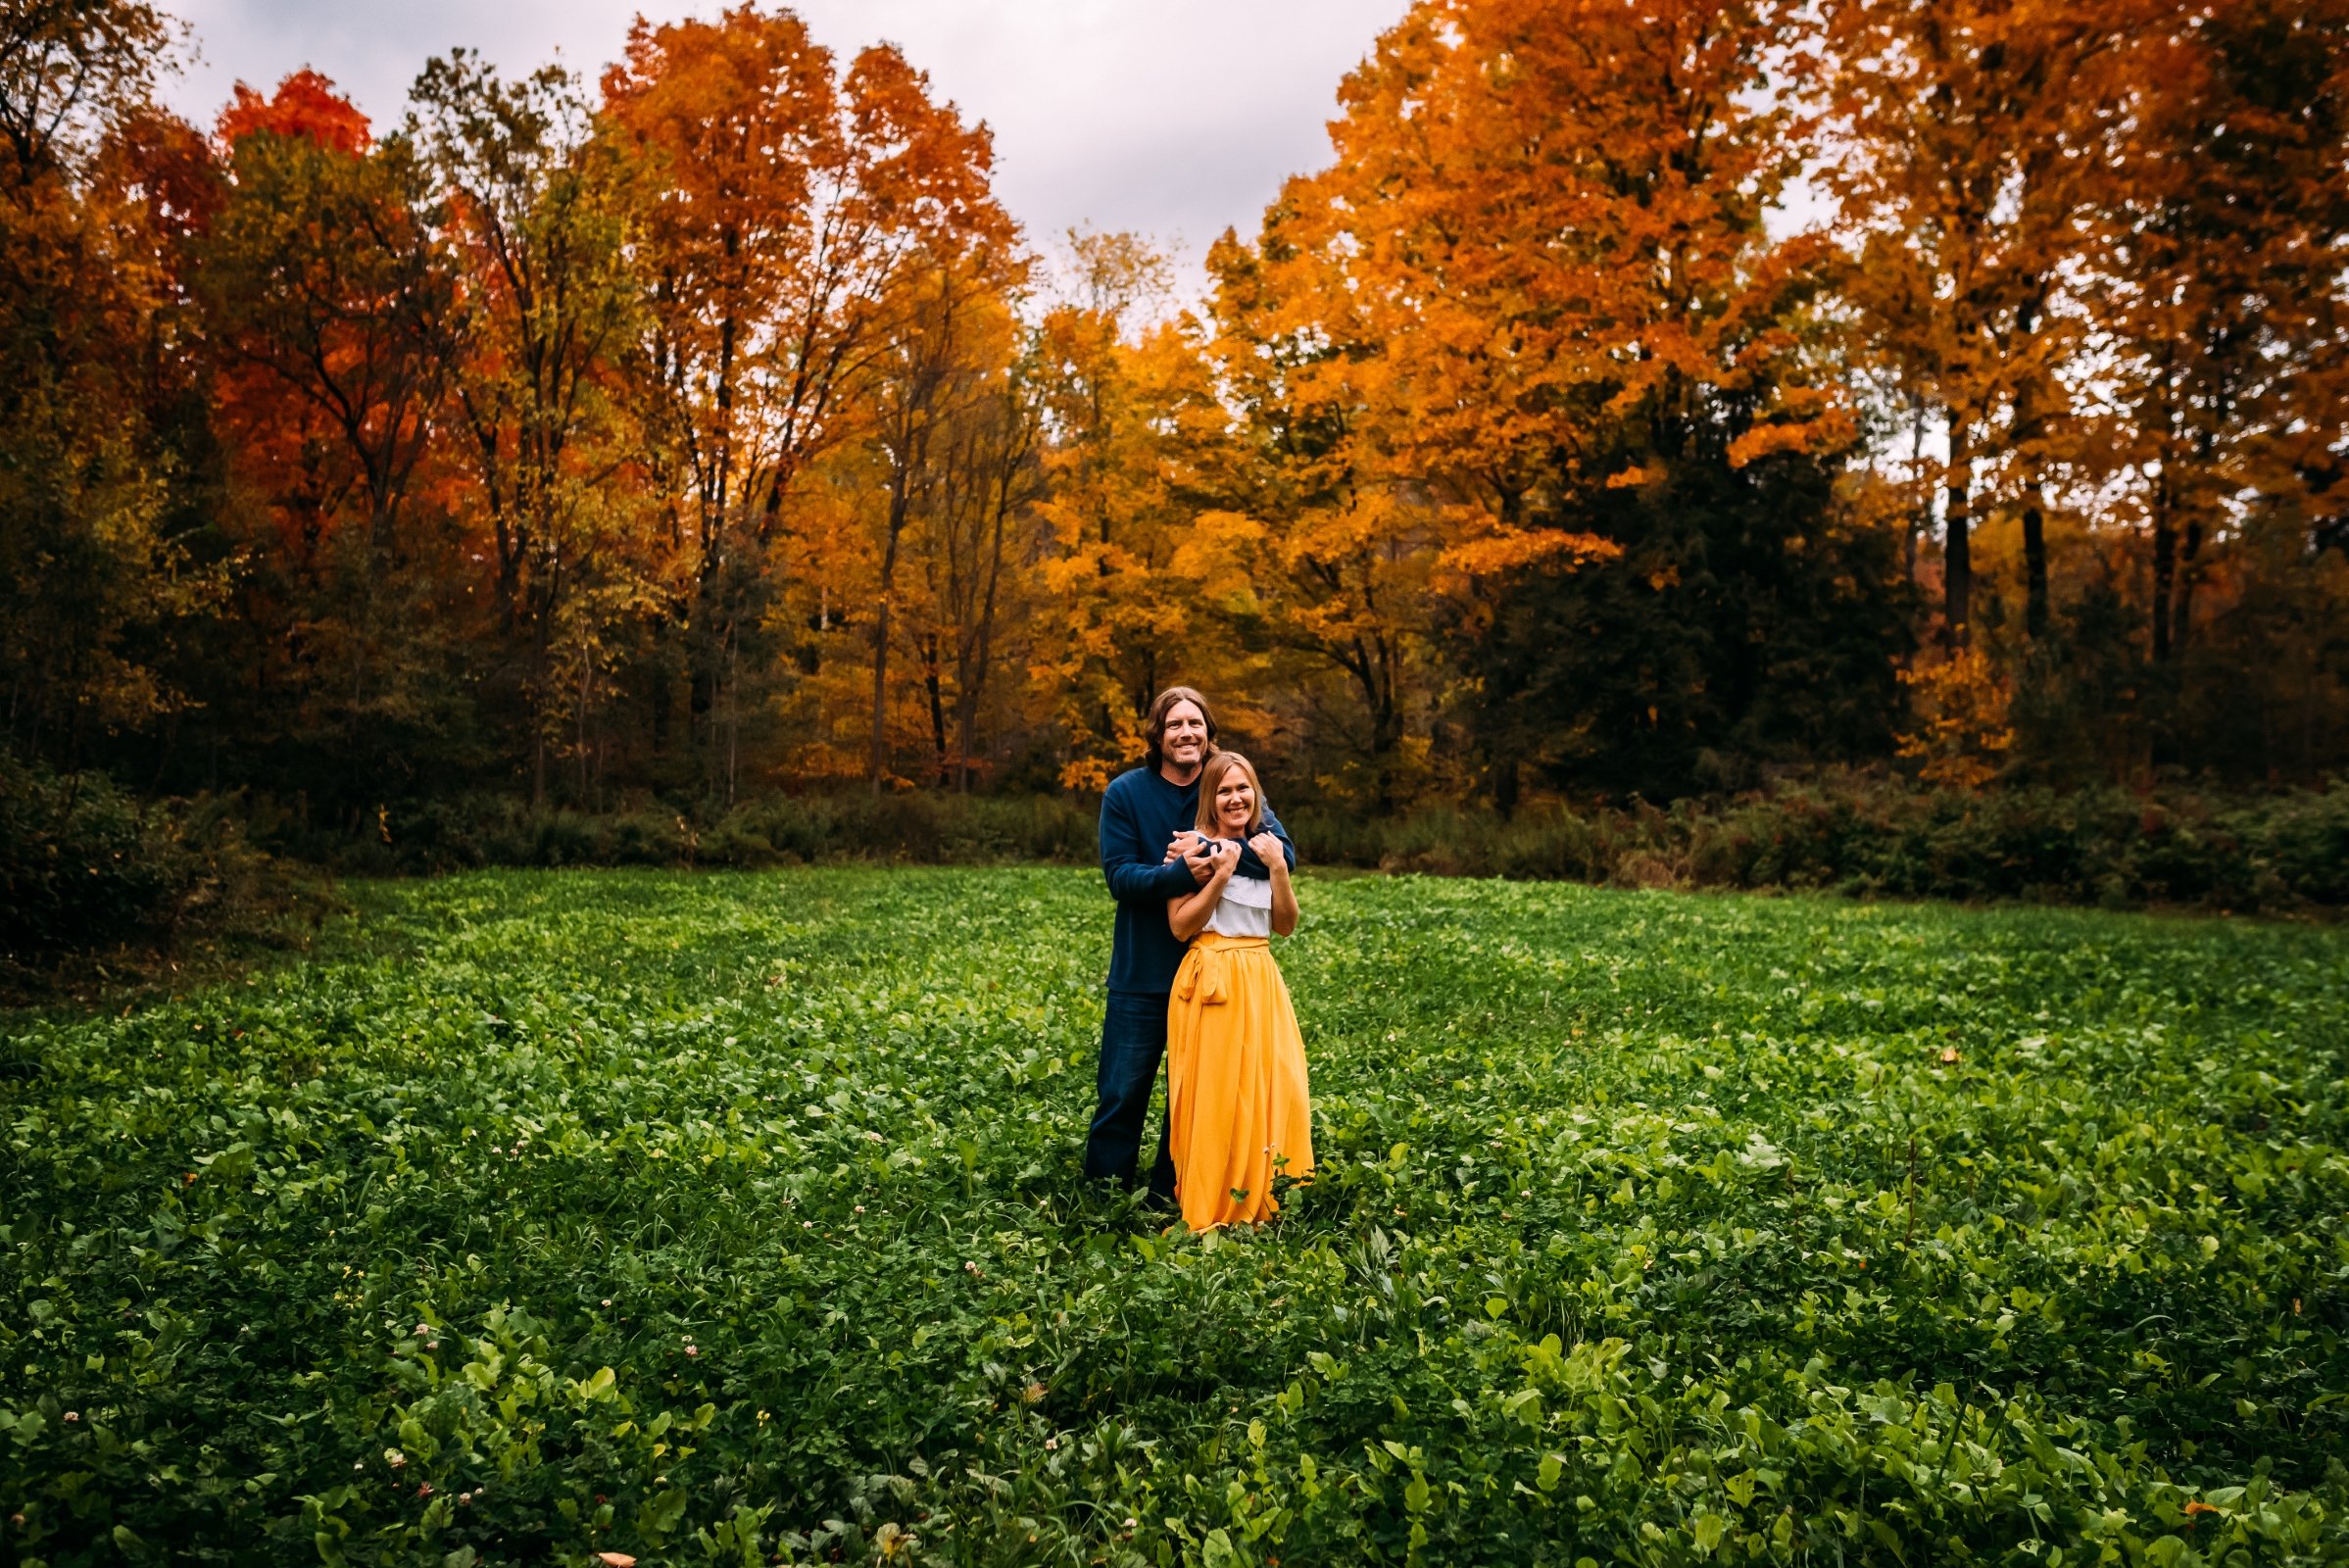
1150	853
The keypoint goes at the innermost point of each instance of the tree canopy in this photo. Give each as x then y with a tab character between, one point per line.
1637	400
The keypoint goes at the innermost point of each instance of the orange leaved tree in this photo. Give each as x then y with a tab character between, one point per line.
1137	429
785	195
2223	296
1585	349
95	580
326	299
545	307
1335	539
938	386
1973	149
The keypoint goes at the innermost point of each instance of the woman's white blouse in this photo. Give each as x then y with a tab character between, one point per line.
1244	909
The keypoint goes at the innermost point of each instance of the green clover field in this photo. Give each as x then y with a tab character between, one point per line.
582	1217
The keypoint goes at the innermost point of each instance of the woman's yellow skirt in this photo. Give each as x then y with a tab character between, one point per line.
1238	1107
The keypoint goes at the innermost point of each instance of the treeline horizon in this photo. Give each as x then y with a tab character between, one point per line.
709	429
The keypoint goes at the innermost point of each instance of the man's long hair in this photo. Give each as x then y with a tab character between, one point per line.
1154	727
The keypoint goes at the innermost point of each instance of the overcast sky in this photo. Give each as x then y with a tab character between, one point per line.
1173	117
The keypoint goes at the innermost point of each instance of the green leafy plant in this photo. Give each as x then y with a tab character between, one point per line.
733	1217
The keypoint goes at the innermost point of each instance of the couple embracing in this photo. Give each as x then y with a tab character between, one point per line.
1200	867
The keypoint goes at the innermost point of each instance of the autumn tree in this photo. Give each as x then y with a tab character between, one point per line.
330	296
1596	356
979	547
328	302
96	577
788	193
1136	424
1972	149
937	391
1333	543
2224	293
2228	312
545	306
714	429
67	69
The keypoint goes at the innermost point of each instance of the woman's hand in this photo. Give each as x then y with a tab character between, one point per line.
1188	915
1272	853
1269	850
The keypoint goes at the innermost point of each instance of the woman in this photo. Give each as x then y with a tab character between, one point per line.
1236	1102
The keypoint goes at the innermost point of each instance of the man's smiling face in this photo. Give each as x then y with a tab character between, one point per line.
1185	742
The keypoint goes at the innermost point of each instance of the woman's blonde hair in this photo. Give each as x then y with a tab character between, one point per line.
1211	776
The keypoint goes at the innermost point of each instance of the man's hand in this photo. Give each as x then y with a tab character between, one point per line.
1181	846
1202	864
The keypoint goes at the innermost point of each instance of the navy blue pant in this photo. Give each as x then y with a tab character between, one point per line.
1133	1045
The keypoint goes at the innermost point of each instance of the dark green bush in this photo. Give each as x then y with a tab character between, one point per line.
463	832
86	867
76	862
1851	833
1873	836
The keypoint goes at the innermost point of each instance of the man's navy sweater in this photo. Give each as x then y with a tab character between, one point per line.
1140	811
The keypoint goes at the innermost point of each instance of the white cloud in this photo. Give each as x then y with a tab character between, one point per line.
1174	117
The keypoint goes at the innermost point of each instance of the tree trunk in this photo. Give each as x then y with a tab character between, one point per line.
2035	568
2190	546
580	718
701	645
1386	739
1919	516
535	705
1372	665
975	678
2164	563
880	737
1957	559
931	683
2184	617
2030	430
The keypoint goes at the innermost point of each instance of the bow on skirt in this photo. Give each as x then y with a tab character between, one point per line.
1206	973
